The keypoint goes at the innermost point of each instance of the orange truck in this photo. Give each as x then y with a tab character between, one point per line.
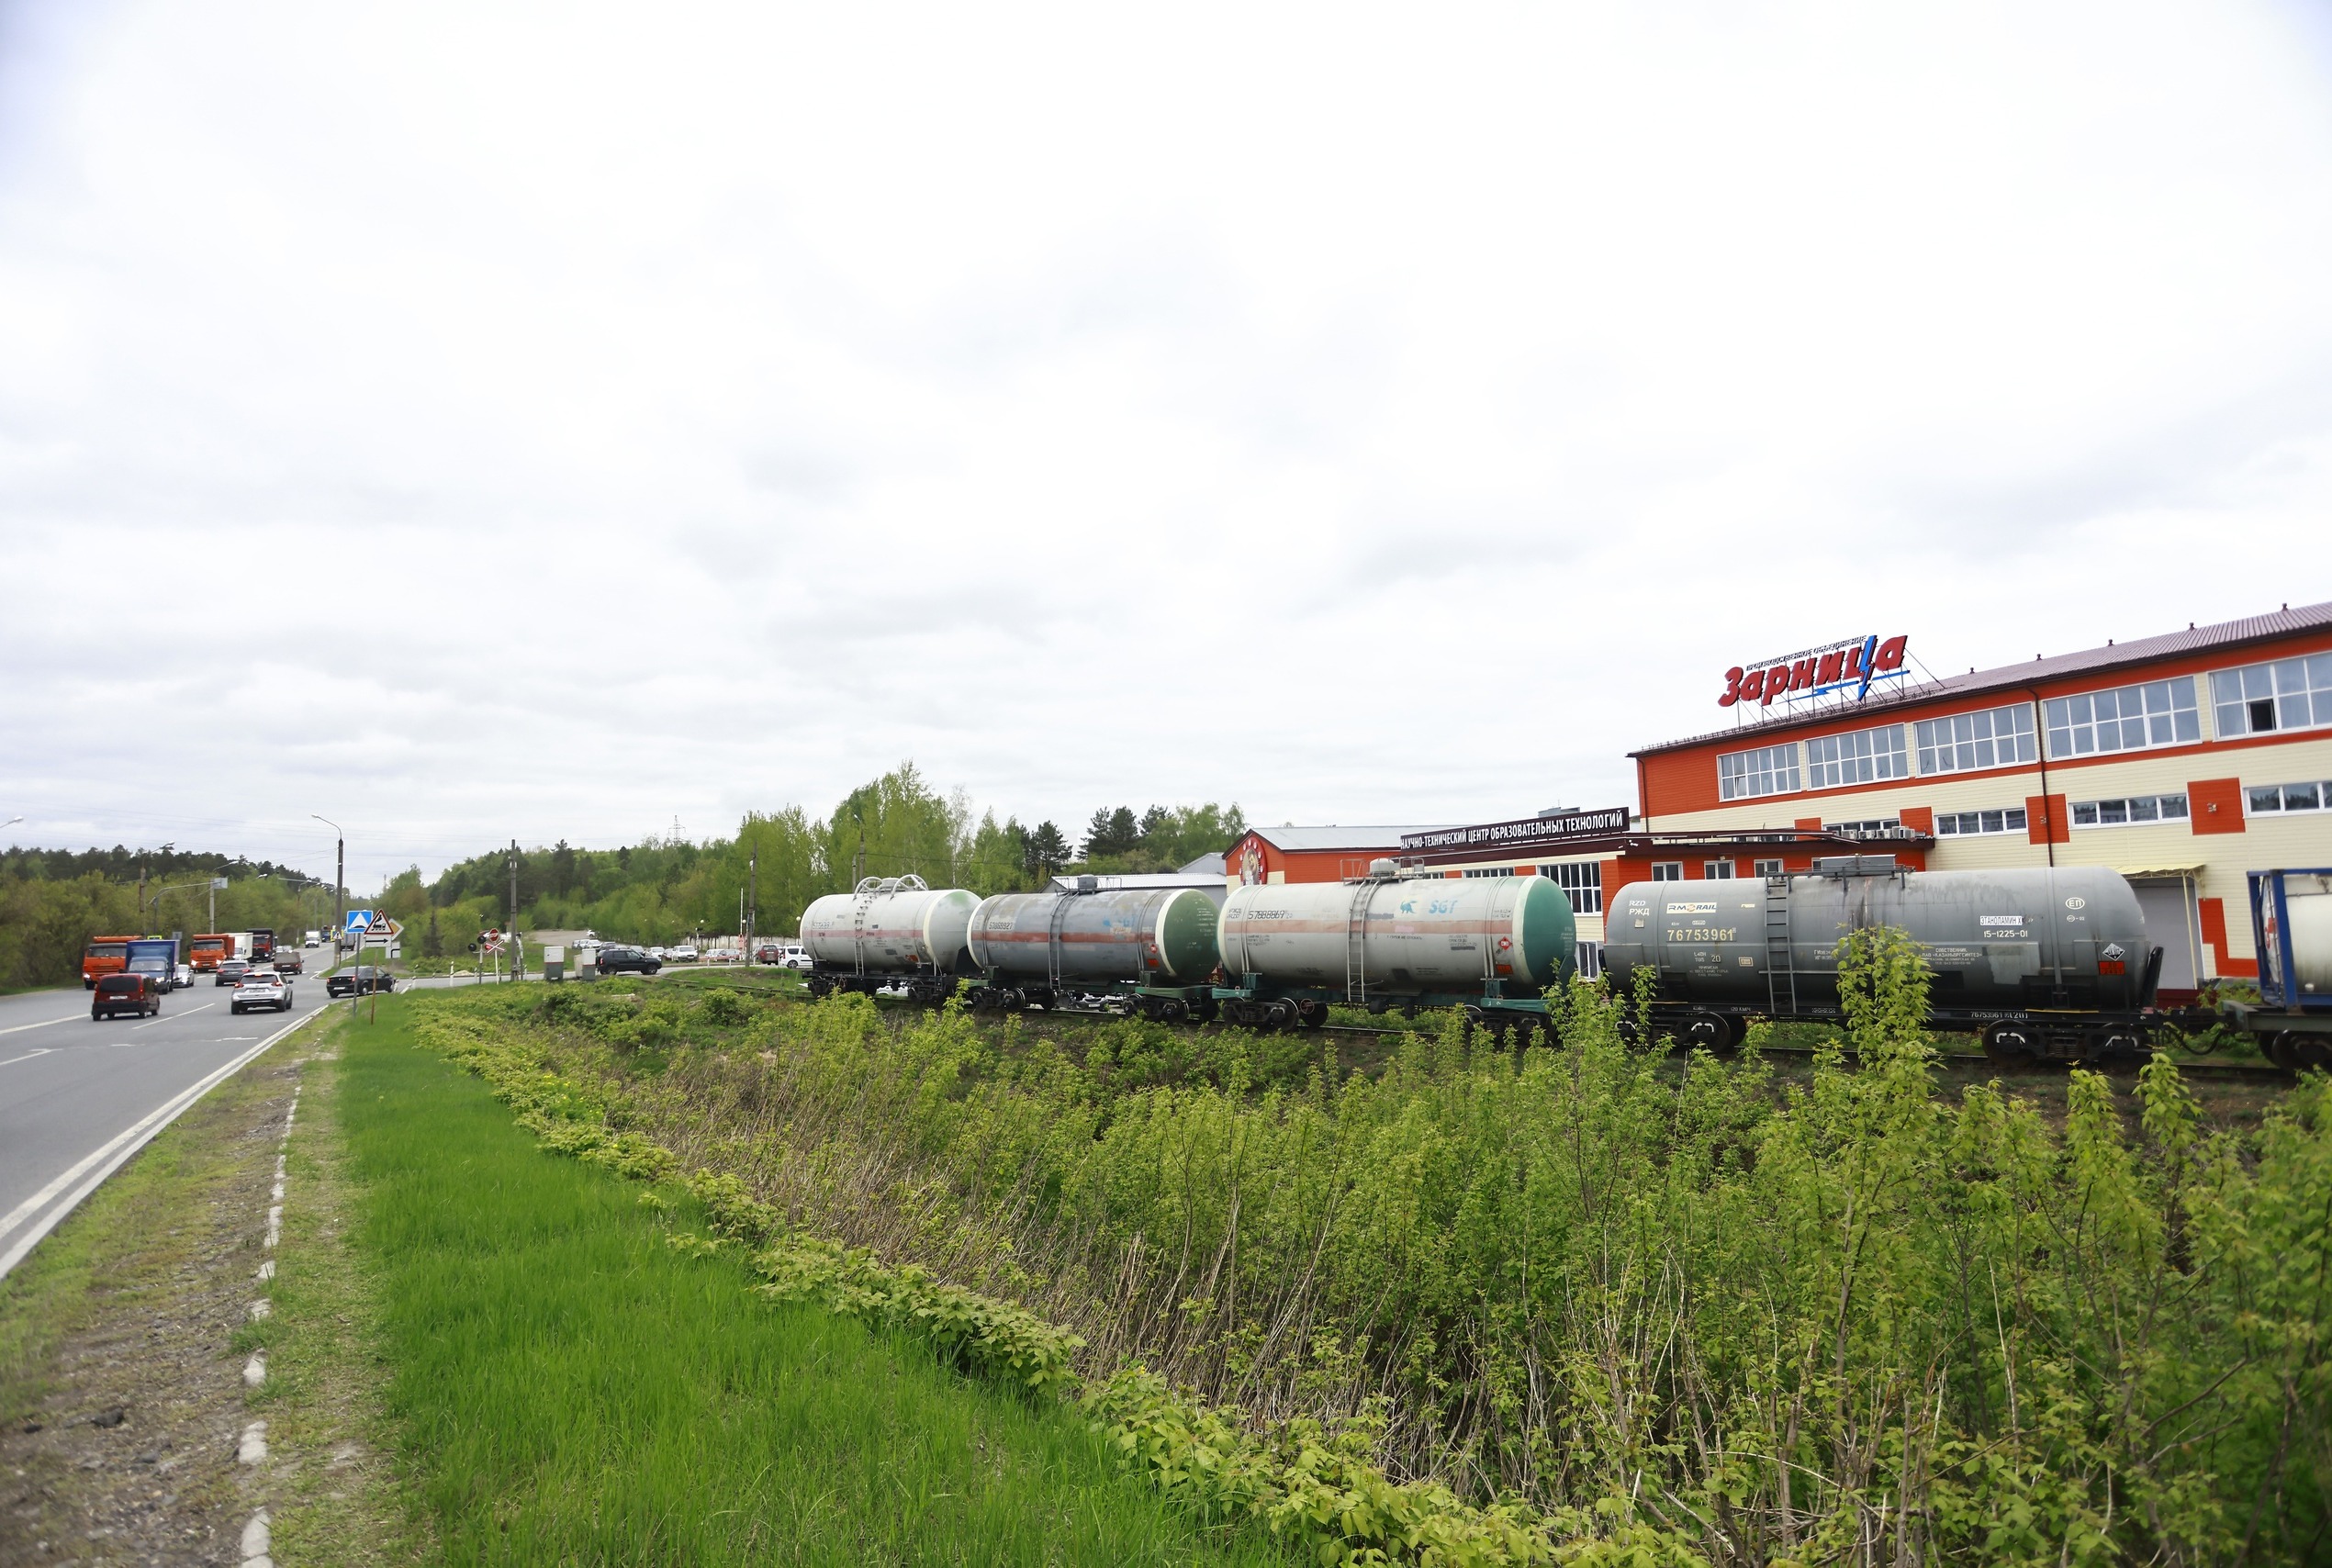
204	952
104	956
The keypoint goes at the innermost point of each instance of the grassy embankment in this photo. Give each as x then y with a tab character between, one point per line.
1775	1317
571	1388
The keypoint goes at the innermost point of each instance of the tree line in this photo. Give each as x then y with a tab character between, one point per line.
53	902
899	824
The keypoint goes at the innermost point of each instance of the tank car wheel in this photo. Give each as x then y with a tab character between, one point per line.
1173	1011
1708	1031
1475	1019
1311	1014
2008	1044
1281	1014
2294	1050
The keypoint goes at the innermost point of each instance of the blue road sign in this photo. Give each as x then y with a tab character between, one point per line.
359	922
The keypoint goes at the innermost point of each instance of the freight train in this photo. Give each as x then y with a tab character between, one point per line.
2041	964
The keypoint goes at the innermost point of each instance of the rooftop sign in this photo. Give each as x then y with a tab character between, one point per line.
1845	670
1528	830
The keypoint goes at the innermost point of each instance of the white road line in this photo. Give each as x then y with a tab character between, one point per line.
20	1029
190	1011
94	1167
44	1051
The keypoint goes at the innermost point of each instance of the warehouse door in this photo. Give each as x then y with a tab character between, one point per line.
2168	903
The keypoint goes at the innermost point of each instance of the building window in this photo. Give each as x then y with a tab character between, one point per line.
1996	737
1769	868
1863	756
2009	819
2128	718
1870	827
1667	870
1716	870
1582	883
2134	808
1769	770
1489	871
2290	694
1590	960
2315	797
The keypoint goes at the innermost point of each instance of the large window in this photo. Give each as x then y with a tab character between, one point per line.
1769	770
1769	868
1667	870
2290	694
2129	809
1590	959
1996	737
1716	871
2128	718
1582	883
2009	819
1864	757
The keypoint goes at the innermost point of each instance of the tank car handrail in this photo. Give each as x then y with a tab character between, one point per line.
910	883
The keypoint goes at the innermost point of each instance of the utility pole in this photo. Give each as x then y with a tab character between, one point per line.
340	886
516	953
752	896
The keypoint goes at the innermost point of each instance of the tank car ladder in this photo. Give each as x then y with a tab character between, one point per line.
1781	968
1356	941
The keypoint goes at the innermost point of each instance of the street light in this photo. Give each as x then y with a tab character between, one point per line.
339	898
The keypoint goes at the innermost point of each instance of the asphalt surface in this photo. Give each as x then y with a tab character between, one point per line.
78	1098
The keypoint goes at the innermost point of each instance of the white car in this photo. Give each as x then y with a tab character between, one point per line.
183	978
793	956
262	988
684	954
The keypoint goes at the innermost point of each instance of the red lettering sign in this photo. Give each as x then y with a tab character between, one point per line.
1818	672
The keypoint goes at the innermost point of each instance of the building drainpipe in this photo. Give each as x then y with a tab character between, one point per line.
2040	750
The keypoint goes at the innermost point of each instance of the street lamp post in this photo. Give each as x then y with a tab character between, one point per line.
339	898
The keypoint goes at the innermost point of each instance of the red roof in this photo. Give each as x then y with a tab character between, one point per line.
2283	623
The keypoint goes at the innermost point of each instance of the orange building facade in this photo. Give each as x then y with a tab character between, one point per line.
2181	761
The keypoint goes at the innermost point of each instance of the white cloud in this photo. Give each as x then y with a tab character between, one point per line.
567	418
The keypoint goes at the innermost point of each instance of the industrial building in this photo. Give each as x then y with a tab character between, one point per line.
2181	761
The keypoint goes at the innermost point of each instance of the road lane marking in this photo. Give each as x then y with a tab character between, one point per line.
20	1029
44	1051
189	1013
102	1163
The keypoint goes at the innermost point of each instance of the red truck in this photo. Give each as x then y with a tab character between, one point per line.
205	951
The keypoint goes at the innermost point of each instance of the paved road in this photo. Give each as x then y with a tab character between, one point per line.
78	1098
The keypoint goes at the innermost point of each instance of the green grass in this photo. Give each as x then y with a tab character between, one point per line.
570	1389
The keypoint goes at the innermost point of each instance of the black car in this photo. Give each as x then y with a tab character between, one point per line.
361	978
138	995
631	960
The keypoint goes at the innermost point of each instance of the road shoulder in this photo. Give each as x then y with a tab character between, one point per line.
126	1335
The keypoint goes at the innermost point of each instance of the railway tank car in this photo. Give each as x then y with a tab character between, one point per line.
2045	962
890	931
1151	950
1488	945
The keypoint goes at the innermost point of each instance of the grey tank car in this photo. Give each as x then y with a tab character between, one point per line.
2044	962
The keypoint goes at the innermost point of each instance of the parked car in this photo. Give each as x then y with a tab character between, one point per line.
628	960
684	954
262	988
229	971
183	978
793	956
115	995
290	962
722	956
364	978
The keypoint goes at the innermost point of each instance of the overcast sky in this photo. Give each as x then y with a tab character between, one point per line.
469	422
